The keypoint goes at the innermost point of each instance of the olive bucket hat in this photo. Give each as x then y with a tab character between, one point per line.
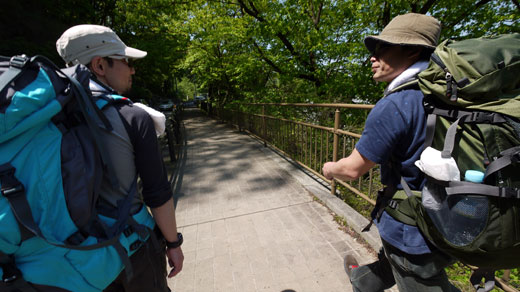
412	29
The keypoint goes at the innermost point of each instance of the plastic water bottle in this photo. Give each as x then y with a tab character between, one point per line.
464	217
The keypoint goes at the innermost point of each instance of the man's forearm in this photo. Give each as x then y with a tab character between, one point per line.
164	216
348	168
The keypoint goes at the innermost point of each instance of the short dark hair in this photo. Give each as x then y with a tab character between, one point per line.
110	61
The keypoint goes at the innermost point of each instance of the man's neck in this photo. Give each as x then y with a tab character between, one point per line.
97	85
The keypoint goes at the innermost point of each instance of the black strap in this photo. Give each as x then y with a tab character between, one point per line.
383	198
123	210
121	251
13	190
16	65
92	113
12	278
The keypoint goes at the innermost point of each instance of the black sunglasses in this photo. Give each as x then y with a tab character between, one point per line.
380	49
126	60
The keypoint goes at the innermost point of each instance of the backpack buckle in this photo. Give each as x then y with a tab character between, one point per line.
10	185
13	191
11	272
393	204
10	279
128	231
18	61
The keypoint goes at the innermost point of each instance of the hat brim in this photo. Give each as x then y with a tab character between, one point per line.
371	42
131	53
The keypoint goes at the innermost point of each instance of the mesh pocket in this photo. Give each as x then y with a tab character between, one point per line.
459	218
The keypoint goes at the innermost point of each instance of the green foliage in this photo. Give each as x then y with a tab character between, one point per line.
254	51
187	89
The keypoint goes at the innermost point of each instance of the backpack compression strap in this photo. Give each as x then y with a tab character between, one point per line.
509	156
14	191
451	85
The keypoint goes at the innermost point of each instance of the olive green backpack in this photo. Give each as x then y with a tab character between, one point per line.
472	98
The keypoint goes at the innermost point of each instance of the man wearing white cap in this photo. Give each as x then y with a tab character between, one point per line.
135	150
393	137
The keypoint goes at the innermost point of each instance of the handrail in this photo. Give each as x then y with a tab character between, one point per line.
285	134
331	105
297	143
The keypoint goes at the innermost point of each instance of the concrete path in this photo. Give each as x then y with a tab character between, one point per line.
248	222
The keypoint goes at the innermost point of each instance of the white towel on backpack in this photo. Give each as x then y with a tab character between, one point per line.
159	119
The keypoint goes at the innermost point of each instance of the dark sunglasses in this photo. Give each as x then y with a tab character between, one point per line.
380	49
129	62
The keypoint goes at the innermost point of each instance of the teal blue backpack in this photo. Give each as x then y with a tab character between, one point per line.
52	163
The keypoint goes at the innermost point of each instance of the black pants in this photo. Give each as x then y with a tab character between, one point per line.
149	265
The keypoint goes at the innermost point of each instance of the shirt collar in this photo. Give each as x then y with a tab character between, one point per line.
407	74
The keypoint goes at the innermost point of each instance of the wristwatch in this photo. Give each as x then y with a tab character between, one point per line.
176	243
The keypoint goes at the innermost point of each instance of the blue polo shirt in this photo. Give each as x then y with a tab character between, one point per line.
395	128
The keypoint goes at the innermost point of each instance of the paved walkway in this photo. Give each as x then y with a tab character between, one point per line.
248	224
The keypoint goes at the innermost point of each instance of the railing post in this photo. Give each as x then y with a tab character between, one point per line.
264	128
335	148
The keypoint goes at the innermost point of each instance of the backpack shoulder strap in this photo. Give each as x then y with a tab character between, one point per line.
111	99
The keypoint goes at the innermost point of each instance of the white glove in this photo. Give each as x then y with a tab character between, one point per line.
432	164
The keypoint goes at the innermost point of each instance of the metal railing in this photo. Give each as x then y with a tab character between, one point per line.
308	144
311	145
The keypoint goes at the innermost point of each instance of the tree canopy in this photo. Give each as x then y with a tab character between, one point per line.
245	50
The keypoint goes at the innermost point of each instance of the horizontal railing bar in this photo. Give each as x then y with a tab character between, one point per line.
288	155
349	133
355	135
330	105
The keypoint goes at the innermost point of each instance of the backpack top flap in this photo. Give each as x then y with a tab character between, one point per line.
480	73
31	99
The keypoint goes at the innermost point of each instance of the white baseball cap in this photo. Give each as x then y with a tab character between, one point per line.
80	43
